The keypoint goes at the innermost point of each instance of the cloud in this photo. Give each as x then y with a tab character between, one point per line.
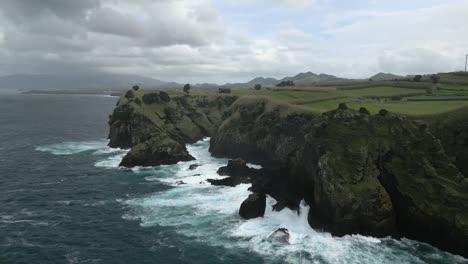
230	41
294	3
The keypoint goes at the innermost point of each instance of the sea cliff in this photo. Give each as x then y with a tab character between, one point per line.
375	175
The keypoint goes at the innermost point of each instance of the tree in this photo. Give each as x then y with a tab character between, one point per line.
417	78
258	86
286	83
164	96
224	90
136	87
129	94
187	88
435	78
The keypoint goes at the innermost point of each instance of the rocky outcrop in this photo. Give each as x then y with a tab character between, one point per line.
452	130
374	175
156	126
280	235
253	206
260	131
156	151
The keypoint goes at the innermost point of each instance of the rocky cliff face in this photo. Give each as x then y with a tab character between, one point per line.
452	130
157	126
374	175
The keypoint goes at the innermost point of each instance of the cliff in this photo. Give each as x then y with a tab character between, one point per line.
452	130
375	175
156	125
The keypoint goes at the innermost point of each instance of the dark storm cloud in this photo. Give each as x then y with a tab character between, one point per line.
46	36
25	9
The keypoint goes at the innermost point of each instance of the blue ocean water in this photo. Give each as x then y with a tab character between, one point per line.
64	200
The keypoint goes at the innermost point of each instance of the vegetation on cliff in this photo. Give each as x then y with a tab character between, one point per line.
150	122
374	174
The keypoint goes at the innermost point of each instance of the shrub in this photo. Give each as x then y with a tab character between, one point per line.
164	96
151	98
258	86
435	78
224	90
417	78
137	101
129	94
187	88
286	83
171	114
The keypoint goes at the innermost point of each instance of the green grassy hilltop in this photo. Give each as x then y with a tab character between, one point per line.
403	96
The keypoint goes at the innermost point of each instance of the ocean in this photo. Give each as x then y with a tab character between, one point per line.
63	199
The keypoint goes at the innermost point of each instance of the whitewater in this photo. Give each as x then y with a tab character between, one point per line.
208	214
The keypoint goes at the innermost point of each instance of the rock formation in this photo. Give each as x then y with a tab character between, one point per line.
253	206
156	126
375	175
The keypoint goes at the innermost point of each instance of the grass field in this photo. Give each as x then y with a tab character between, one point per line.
402	107
404	97
415	102
380	91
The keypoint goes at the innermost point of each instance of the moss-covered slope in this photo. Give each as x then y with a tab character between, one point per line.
156	124
375	175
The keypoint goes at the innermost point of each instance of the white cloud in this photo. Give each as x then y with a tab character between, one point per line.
211	41
294	3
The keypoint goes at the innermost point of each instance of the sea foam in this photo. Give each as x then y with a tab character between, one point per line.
108	157
209	214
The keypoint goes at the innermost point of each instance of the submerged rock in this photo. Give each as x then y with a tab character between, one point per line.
280	235
193	166
253	206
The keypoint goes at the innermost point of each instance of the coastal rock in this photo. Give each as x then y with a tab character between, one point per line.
236	167
384	175
280	235
156	127
238	173
375	175
452	130
253	206
155	152
193	166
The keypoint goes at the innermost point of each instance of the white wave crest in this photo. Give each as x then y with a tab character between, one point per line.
207	213
70	148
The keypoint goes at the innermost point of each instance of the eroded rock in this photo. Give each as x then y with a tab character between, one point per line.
253	206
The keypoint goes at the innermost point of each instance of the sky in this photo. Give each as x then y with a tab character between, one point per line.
219	41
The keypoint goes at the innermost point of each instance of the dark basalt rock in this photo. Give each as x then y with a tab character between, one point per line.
238	173
193	166
280	235
253	206
375	175
155	152
236	167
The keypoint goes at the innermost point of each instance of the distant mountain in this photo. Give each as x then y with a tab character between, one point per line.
381	76
119	82
24	82
310	78
299	79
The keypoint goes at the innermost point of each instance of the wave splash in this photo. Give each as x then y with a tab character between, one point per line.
100	148
207	213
